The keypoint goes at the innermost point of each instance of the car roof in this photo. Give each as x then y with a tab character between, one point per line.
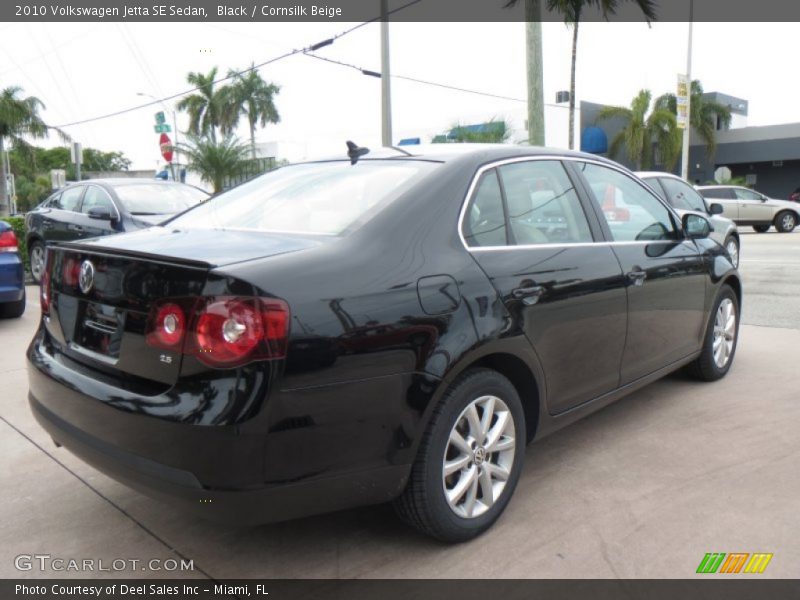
115	181
721	187
448	152
649	174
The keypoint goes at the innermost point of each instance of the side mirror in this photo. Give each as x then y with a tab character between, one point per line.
101	213
715	208
696	226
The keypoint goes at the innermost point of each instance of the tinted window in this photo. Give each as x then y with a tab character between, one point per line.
326	198
717	193
158	199
485	221
683	196
53	201
543	207
96	197
632	212
656	185
743	194
70	198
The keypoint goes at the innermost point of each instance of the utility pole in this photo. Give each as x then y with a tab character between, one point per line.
687	130
386	84
77	151
533	41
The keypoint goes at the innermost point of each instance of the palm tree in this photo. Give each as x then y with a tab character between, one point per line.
19	118
572	11
209	108
215	161
254	97
643	131
491	132
704	115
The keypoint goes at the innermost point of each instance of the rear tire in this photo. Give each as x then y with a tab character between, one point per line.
13	310
36	256
722	336
469	461
785	221
761	228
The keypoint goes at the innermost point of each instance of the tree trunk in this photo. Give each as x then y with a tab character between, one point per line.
572	84
5	205
253	140
533	39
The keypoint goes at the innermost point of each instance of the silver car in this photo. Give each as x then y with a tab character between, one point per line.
749	207
683	197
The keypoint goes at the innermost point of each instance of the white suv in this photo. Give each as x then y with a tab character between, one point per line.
749	207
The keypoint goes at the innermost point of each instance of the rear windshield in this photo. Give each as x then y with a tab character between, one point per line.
158	199
313	198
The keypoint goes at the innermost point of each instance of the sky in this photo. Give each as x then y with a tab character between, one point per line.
82	70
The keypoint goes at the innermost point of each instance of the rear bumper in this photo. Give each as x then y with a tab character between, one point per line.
12	278
224	473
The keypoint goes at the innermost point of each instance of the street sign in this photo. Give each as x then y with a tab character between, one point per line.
166	147
164	128
160	118
682	100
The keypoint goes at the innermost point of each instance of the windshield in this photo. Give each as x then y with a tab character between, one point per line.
313	198
158	199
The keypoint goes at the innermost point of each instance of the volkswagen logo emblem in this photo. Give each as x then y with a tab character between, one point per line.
86	276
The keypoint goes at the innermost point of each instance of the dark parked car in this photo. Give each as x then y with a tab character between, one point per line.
102	207
12	274
332	335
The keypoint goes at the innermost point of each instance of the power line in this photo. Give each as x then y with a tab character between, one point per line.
310	48
415	80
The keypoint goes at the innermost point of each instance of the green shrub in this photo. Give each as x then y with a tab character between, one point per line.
18	224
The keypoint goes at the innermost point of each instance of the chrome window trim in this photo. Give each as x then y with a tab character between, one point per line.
555	157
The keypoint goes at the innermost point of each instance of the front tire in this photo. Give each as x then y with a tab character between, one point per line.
761	228
732	246
786	221
36	256
469	460
722	335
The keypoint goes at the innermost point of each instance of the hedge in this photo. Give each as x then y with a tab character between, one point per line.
18	224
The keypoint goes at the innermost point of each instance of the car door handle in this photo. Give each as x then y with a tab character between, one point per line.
76	227
636	277
529	295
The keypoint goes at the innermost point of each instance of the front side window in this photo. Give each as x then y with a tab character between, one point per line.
71	198
543	207
632	212
96	197
743	194
683	196
313	198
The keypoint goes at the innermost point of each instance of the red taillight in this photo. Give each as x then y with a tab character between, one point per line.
8	242
166	327
71	271
45	289
223	332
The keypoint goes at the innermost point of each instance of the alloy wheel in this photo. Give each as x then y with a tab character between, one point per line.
733	249
37	261
788	222
478	457
724	333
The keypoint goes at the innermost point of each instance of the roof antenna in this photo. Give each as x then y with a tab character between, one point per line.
355	152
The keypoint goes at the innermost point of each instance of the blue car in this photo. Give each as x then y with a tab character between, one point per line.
12	274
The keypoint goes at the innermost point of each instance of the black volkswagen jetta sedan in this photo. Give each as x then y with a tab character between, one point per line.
392	328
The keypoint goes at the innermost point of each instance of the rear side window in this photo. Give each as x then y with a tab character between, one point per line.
314	198
543	207
632	212
718	194
71	198
485	222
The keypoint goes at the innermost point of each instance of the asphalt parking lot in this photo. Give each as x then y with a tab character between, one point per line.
641	489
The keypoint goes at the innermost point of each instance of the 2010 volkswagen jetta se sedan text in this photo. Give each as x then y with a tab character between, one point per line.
393	327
